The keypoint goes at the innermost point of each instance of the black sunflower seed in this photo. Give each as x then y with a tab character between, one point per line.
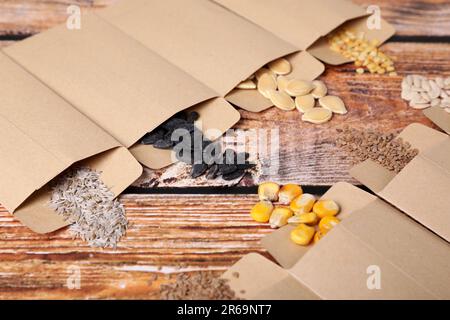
234	175
225	169
212	172
245	166
163	144
198	169
173	123
192	116
152	137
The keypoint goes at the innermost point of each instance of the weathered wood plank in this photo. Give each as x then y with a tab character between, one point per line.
410	17
202	232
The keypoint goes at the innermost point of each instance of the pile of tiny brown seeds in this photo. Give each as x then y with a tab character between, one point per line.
392	153
197	286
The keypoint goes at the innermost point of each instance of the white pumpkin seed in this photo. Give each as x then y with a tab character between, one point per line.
247	84
260	72
297	87
320	89
305	103
282	100
417	105
282	82
266	84
280	66
425	96
317	115
334	104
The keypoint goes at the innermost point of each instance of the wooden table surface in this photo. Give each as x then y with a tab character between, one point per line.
212	231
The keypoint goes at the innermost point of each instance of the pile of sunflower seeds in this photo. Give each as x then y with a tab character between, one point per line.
423	93
197	286
180	134
392	153
89	206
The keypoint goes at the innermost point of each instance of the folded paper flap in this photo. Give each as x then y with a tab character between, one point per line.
298	22
278	243
342	266
439	155
410	247
422	137
216	117
421	191
440	117
41	134
118	170
217	47
124	87
269	282
372	175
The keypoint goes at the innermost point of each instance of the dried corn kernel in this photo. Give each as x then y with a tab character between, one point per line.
302	235
261	211
289	192
325	208
303	203
318	235
327	223
268	191
306	218
280	216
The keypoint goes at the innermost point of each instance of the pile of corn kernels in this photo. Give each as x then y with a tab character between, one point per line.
363	52
313	219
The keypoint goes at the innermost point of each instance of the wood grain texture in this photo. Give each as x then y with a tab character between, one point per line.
411	18
202	232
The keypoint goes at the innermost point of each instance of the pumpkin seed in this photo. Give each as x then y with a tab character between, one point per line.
419	106
282	100
282	82
305	103
317	115
334	104
320	89
247	84
297	87
280	66
266	84
260	72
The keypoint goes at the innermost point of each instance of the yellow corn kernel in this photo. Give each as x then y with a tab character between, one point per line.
302	235
325	208
306	218
280	216
261	211
268	191
289	192
318	235
327	223
303	203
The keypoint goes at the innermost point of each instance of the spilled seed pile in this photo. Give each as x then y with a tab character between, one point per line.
392	153
191	147
197	286
89	206
423	93
287	93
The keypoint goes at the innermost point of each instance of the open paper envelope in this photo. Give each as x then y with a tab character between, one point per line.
372	237
41	135
214	45
421	189
305	23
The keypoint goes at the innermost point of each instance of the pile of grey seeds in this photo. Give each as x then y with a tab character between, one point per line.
89	206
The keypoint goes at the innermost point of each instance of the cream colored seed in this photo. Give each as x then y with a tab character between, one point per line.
280	66
304	103
360	71
334	104
282	82
282	100
320	89
299	87
317	115
266	85
260	72
247	84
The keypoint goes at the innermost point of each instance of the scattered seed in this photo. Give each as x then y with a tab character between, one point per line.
317	115
280	66
298	87
320	89
266	84
304	103
334	104
282	100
